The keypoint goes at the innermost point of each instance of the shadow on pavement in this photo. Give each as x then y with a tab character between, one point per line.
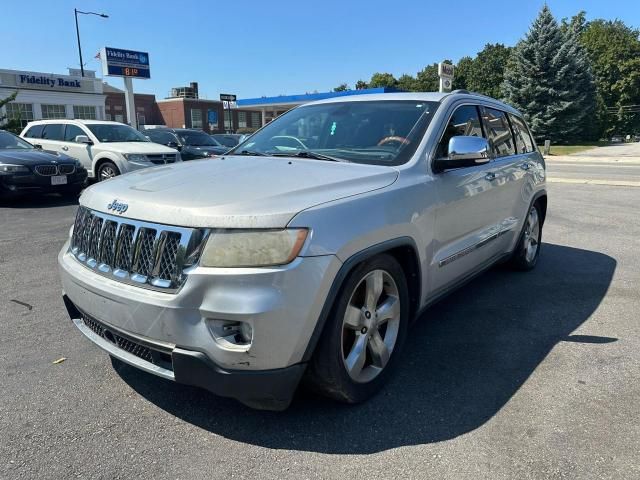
38	201
463	361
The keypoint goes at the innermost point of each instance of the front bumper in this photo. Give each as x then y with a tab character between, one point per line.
21	183
281	304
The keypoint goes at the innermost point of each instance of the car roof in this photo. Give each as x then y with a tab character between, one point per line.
419	97
70	120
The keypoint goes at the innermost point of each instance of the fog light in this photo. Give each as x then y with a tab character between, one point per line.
230	334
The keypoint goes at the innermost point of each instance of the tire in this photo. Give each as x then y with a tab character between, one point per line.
525	256
107	170
350	364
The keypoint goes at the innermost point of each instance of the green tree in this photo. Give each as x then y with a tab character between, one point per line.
613	49
343	87
487	70
540	80
462	73
12	124
407	82
361	85
383	80
427	79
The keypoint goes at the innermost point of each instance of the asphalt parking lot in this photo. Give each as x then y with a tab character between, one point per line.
518	375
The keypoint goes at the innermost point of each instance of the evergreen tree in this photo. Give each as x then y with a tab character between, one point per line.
548	78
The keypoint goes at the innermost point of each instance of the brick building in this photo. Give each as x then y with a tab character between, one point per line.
146	107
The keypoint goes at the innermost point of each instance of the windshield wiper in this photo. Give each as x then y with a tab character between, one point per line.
250	152
309	154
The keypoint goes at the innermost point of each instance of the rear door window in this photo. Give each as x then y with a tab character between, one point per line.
497	125
464	121
524	143
34	132
53	131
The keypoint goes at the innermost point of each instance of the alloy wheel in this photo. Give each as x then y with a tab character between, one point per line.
107	172
370	326
532	235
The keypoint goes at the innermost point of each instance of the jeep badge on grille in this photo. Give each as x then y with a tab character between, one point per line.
117	206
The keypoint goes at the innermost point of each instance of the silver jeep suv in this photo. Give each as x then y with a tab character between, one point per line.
307	250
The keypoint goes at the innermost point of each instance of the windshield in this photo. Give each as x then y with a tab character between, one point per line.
383	132
228	140
8	141
197	139
109	133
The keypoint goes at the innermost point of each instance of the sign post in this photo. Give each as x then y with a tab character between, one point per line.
128	64
445	72
228	99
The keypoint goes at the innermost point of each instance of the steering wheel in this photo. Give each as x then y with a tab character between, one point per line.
289	141
394	139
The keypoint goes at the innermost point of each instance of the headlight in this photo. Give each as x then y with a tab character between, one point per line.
252	248
135	157
6	169
78	164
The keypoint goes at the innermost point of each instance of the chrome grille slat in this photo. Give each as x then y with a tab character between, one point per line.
139	253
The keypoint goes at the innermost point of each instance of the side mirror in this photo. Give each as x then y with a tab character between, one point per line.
37	146
83	139
173	145
465	151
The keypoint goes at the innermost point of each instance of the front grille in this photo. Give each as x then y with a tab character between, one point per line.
160	357
139	253
66	169
162	158
46	170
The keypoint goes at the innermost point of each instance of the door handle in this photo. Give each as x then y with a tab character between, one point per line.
65	148
490	176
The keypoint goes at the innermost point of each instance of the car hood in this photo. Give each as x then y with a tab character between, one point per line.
205	149
32	157
235	192
144	148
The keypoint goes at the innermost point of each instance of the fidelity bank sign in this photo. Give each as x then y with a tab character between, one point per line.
44	81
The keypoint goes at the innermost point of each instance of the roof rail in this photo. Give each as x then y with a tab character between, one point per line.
461	90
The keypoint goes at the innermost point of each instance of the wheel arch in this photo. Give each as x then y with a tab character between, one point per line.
403	249
102	159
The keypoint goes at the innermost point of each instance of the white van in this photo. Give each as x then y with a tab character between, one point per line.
106	149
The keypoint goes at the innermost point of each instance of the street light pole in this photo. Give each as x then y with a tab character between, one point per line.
76	12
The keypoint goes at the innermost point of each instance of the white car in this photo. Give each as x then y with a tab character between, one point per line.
106	149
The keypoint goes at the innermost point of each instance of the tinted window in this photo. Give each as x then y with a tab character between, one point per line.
34	132
464	121
227	140
524	143
196	139
71	132
110	132
499	132
161	137
53	131
9	141
383	132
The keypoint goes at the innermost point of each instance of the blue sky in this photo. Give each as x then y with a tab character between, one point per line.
256	48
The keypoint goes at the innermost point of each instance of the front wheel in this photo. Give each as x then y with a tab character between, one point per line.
107	170
365	332
526	254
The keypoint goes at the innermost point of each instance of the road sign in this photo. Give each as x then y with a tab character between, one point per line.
212	117
445	72
226	97
117	62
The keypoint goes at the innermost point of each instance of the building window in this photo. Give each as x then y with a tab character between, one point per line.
107	116
256	119
84	112
120	118
117	108
22	112
242	119
141	120
196	118
53	111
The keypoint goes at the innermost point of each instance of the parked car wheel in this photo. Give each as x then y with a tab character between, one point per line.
107	170
364	334
527	252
